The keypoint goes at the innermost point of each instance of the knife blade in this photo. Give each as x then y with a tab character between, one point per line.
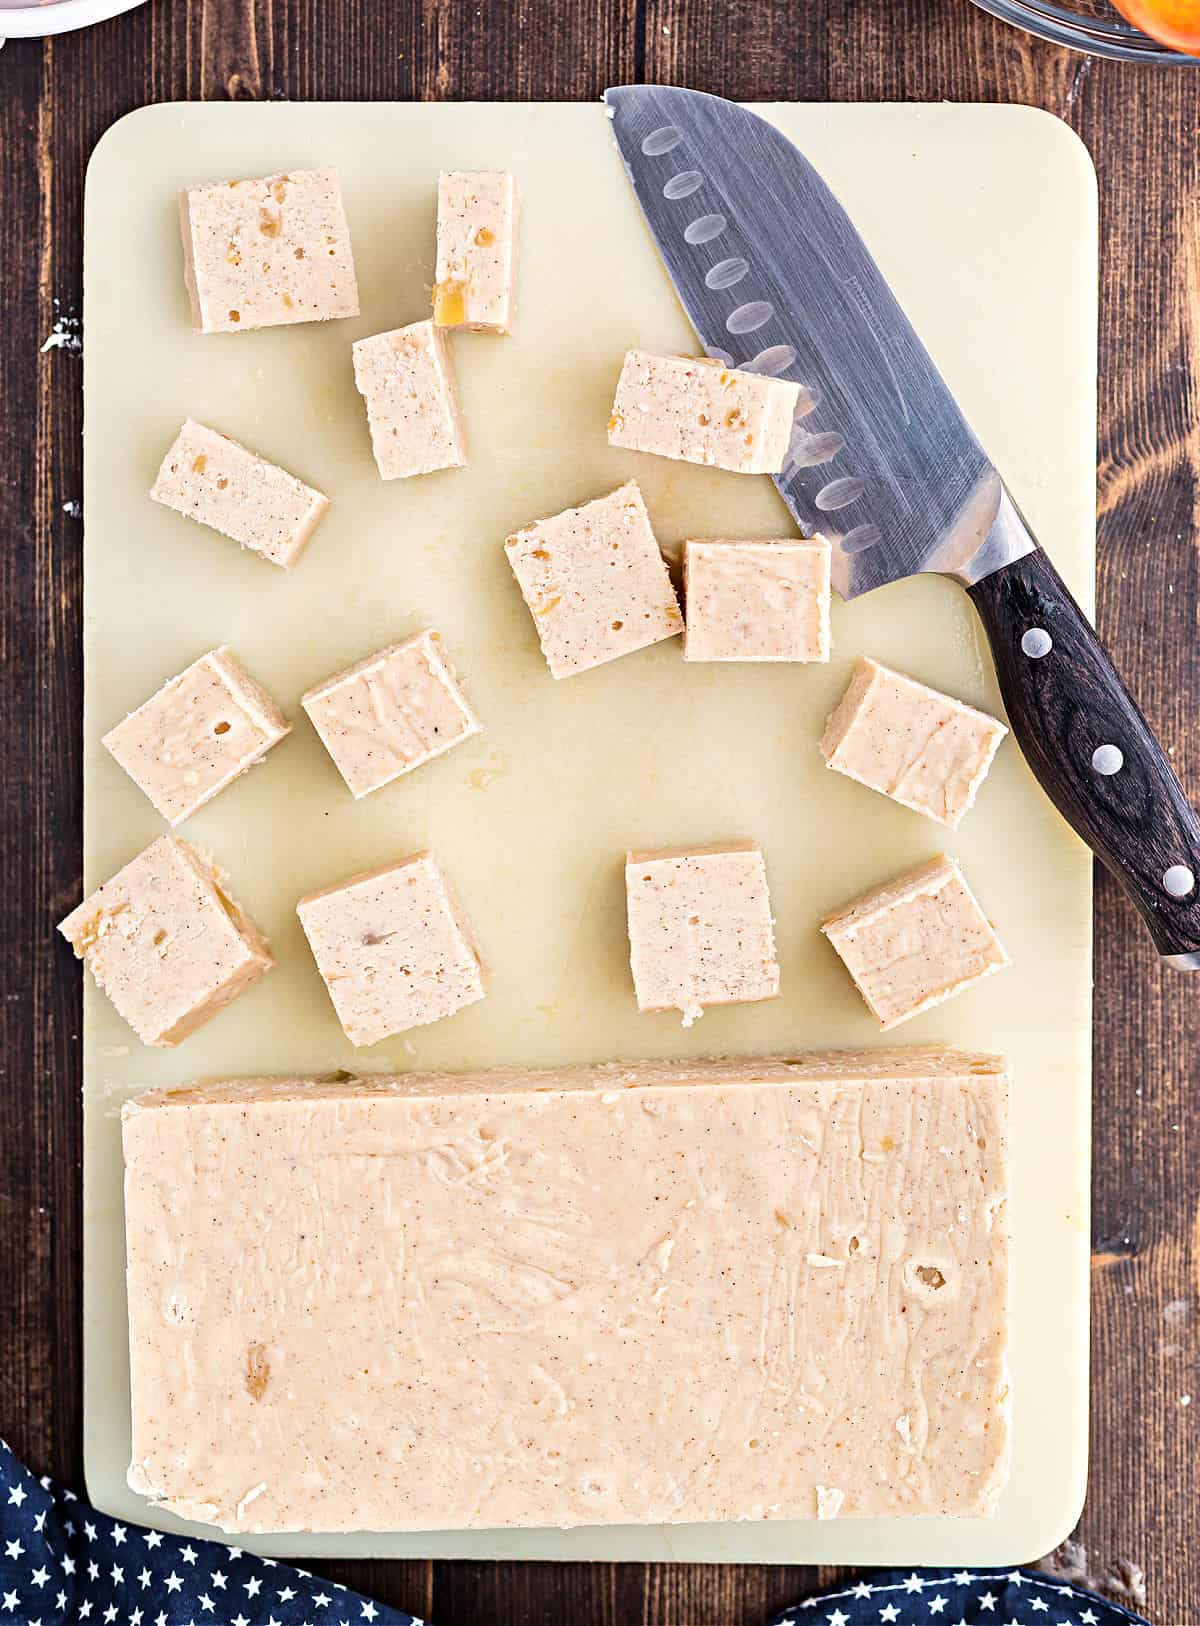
775	278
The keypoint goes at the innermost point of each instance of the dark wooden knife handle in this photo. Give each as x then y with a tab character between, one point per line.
1092	750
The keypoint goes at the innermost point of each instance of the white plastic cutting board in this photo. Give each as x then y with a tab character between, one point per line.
985	221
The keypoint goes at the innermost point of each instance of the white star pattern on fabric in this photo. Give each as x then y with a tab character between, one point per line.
189	1582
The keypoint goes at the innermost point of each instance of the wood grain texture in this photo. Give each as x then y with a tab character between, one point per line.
56	98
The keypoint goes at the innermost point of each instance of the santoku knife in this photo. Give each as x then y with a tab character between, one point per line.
773	275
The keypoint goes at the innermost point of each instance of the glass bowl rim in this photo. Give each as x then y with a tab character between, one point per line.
1063	27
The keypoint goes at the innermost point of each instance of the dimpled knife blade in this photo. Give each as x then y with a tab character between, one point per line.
774	277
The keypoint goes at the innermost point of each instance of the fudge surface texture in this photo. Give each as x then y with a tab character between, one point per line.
595	582
689	1291
920	747
166	942
700	928
264	252
915	941
197	734
476	251
407	381
394	948
391	712
757	601
224	485
699	411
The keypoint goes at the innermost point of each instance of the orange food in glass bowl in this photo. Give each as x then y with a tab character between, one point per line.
1175	22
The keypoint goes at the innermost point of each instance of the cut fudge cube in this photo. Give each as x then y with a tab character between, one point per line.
394	949
595	582
448	1255
756	601
476	251
700	929
699	411
916	941
167	943
923	749
261	253
224	485
197	734
391	712
407	381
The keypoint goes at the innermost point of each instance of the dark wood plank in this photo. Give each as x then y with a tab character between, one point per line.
57	98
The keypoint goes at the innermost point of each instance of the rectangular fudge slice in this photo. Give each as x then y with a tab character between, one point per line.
393	948
667	1292
757	601
166	942
915	941
699	411
224	485
391	712
197	734
476	251
700	928
407	382
595	581
264	252
922	748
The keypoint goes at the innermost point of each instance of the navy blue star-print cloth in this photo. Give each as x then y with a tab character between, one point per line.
63	1564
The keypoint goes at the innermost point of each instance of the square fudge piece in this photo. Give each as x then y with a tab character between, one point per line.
394	949
756	601
197	734
476	251
407	381
916	941
699	411
700	929
167	943
265	252
222	484
919	747
595	582
391	712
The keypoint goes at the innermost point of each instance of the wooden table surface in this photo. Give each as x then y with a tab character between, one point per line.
57	97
